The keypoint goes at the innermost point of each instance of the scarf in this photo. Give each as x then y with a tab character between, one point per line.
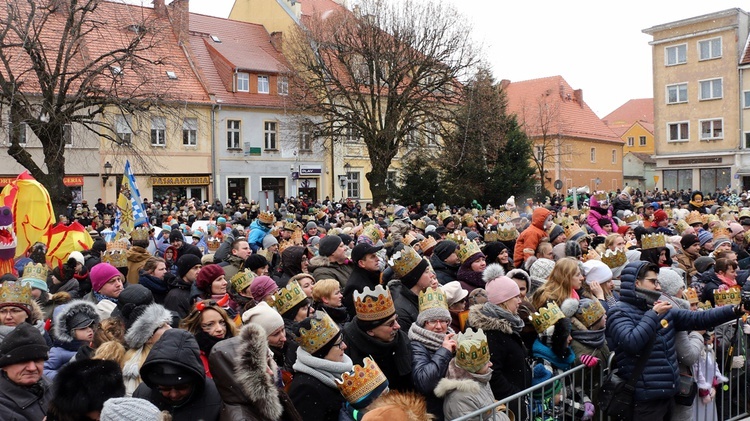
206	342
649	296
100	297
470	277
431	340
589	338
323	370
726	281
539	350
493	310
397	350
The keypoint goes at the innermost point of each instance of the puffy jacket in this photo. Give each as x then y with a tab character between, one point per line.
21	404
323	268
465	392
427	369
257	232
443	271
595	215
631	323
531	236
406	303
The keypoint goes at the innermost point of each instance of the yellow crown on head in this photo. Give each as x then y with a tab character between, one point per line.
681	226
507	232
694	217
472	352
591	312
213	244
285	244
372	231
468	220
457	236
35	271
467	249
117	246
490	236
409	239
721	230
266	217
614	259
572	229
390	210
374	304
361	381
427	244
432	298
291	226
444	214
296	237
652	241
706	305
546	317
286	298
420	224
242	280
504	216
601	196
691	295
16	292
631	219
268	254
404	261
322	330
115	257
140	234
573	212
731	296
744	213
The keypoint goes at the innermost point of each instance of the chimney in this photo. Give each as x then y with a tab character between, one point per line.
504	84
179	16
160	8
277	40
578	94
562	90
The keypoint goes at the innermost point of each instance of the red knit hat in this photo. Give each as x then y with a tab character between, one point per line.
659	216
207	276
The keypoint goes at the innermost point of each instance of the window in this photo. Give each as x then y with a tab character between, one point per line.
539	153
21	134
710	89
715	178
190	131
747	140
677	93
67	135
391	180
351	134
233	134
431	135
709	48
305	137
243	82
158	131
677	179
676	55
642	141
746	97
123	129
678	132
712	129
282	84
568	153
352	184
262	84
614	156
593	154
269	134
631	141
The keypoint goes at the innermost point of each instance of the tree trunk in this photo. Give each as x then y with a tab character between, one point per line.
377	177
59	194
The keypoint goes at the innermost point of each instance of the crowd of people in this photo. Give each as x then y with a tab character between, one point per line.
336	311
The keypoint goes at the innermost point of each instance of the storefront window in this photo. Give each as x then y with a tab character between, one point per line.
715	178
678	179
278	185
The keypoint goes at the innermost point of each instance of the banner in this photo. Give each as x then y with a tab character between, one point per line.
139	215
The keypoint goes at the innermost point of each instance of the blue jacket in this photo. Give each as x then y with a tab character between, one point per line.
257	232
631	323
428	369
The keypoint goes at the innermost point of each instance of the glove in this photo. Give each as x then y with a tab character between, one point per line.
738	361
588	411
746	328
589	360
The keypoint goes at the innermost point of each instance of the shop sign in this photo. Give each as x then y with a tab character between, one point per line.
310	169
180	181
68	180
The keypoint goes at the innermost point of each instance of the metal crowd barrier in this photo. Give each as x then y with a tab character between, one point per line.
730	403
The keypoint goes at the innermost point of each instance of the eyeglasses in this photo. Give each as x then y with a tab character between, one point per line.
340	344
654	281
436	322
11	311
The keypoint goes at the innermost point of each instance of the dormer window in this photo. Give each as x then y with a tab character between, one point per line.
243	82
263	87
138	29
216	39
172	75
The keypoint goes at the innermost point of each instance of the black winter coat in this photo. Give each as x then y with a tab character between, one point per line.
358	280
428	369
314	400
406	303
178	298
444	272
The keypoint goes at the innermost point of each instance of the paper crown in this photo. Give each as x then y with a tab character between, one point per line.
457	236
409	239
16	293
731	296
372	231
420	223
404	261
432	298
472	352
573	212
35	271
322	330
507	232
117	246
591	313
652	241
116	254
374	304
614	259
286	298
242	280
706	305
631	219
444	214
291	226
691	295
390	209
721	230
490	236
140	234
681	226
213	244
268	254
546	317
361	381
694	217
601	196
266	218
504	216
637	205
572	230
744	213
427	244
467	249
468	220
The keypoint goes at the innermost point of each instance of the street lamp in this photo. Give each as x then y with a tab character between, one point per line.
107	173
342	184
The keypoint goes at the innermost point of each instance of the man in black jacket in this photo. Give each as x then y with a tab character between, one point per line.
365	273
445	262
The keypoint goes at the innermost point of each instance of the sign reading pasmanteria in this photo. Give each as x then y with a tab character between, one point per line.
180	181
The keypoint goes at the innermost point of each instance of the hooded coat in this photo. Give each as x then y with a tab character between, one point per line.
531	236
631	323
291	264
323	268
178	347
137	257
464	392
66	346
445	273
596	213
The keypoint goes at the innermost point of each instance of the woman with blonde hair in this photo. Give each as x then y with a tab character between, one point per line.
563	282
327	296
210	324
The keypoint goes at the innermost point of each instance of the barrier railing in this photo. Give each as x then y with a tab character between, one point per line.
730	402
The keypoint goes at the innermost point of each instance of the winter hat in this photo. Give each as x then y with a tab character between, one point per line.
77	256
255	262
492	250
408	266
719	241
447	221
103	380
129	409
602	222
659	216
556	231
623	229
328	245
221	220
143	321
133	296
703	263
23	343
176	235
262	286
472	235
310	225
670	281
207	276
688	240
541	269
101	274
185	263
433	305
501	289
596	271
269	241
704	237
347	239
454	292
444	249
313	241
77	314
265	316
197	235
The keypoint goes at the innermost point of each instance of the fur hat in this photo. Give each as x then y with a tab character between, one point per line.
207	276
670	281
76	314
144	320
23	343
101	274
129	409
328	245
185	263
102	380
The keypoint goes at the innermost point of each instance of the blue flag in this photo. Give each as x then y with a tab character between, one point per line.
139	215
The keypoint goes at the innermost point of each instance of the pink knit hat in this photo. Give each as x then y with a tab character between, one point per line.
101	274
262	286
501	289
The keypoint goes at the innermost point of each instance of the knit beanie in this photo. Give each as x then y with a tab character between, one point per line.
135	295
501	289
328	245
255	262
176	235
262	286
492	250
264	315
444	249
670	281
101	274
310	225
541	269
129	409
221	220
596	271
703	263
23	343
207	276
410	279
556	231
77	256
719	241
704	237
185	263
269	241
688	240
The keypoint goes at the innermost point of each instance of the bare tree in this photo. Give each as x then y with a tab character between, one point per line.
77	62
386	72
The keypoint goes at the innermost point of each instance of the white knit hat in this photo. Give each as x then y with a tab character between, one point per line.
596	271
126	409
265	316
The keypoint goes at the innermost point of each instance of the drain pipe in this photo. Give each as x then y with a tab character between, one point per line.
214	172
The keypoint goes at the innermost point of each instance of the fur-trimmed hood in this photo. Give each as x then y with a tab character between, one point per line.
446	386
479	320
67	313
395	403
318	261
151	317
250	371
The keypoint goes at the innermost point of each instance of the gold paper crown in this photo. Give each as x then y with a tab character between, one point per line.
116	254
268	254
472	353
213	244
322	330
36	271
420	223
681	226
731	296
631	219
17	293
140	234
721	230
507	232
286	298
266	218
692	296
404	261
652	241
490	236
467	249
242	280
374	304
504	216
601	196
705	305
457	236
572	230
117	246
291	226
432	298
708	218
408	239
390	209
468	220
361	381
373	232
614	259
285	244
744	213
637	205
429	243
296	237
546	317
591	313
444	214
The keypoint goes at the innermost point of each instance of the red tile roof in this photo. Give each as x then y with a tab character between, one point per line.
559	107
311	7
641	110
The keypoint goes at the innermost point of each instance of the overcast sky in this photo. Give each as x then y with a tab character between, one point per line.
594	46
